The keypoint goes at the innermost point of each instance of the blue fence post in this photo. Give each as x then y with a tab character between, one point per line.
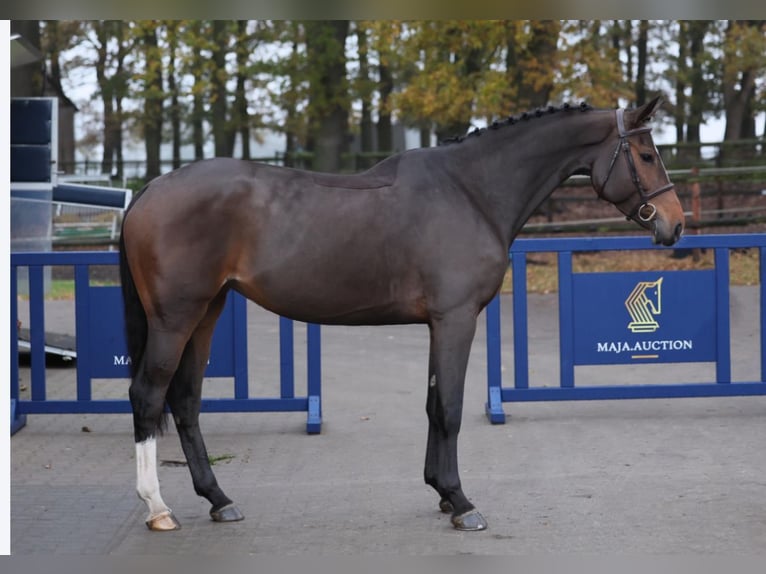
762	262
723	342
82	343
286	358
566	320
314	375
520	325
494	404
18	420
241	390
37	332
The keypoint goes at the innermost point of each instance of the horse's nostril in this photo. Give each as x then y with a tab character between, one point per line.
679	231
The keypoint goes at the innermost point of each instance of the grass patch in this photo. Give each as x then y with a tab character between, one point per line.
63	289
220	458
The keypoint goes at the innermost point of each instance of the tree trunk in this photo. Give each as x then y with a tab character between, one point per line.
385	89
365	93
291	137
175	109
241	121
198	103
629	50
535	70
699	96
738	84
121	78
218	106
425	135
328	94
118	148
106	89
681	72
153	96
643	35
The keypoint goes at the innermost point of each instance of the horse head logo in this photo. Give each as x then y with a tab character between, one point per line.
644	303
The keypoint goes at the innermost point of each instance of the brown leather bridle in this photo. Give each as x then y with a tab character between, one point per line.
624	145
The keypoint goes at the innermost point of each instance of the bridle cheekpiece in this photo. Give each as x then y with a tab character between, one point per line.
624	145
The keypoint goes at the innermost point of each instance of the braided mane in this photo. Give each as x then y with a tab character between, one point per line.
511	120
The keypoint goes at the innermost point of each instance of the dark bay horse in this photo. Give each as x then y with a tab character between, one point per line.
422	237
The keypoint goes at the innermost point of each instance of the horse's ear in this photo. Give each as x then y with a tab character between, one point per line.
641	115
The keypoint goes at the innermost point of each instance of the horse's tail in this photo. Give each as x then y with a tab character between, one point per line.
136	325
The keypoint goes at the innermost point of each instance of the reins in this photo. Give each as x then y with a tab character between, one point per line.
624	145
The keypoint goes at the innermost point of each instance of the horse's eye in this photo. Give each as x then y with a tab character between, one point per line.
647	157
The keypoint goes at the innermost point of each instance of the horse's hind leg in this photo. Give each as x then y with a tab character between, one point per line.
184	398
451	339
147	397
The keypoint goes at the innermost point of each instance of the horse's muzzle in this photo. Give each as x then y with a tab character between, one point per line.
665	234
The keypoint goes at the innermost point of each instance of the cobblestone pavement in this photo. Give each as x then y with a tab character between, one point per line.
640	476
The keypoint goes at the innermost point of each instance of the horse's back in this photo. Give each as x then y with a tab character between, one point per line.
319	247
271	232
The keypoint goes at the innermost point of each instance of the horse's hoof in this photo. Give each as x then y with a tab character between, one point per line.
469	521
228	513
163	522
446	506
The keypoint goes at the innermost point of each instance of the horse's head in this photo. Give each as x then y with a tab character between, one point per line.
630	174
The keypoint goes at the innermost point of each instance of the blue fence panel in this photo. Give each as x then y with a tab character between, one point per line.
660	322
98	312
102	351
627	318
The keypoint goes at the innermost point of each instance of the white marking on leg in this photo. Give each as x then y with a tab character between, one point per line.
147	482
432	381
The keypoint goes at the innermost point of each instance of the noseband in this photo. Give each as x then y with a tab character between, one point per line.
624	145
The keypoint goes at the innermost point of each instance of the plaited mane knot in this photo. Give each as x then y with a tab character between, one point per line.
511	120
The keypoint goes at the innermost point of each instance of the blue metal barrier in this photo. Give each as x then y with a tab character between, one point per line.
613	318
102	352
98	316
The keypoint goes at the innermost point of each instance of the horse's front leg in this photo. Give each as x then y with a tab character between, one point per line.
451	339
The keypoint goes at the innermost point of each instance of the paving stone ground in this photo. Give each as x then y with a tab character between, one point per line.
661	476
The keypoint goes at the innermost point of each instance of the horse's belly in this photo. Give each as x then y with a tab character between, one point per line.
321	296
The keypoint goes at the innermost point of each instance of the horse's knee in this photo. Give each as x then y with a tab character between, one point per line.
444	409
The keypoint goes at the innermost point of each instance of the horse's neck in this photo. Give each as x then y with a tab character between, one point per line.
517	167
